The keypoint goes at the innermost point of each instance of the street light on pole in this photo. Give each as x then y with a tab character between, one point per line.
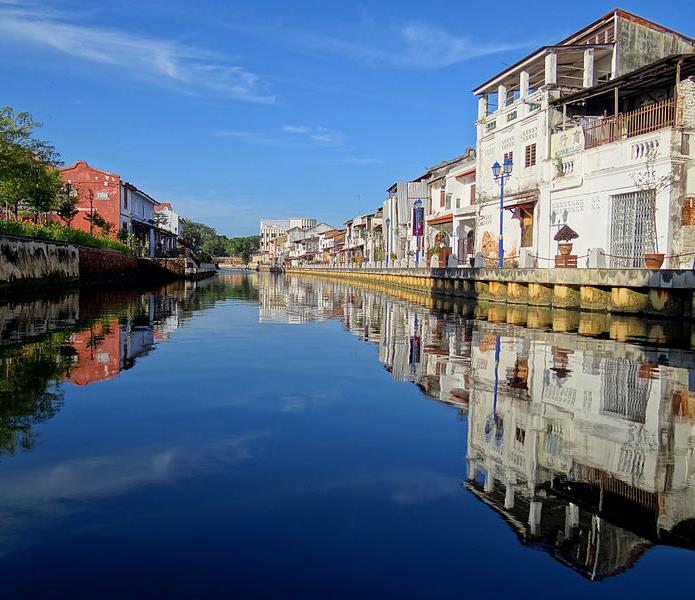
501	173
91	212
388	240
417	227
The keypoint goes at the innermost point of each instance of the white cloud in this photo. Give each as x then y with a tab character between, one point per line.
156	60
287	135
361	161
295	129
414	45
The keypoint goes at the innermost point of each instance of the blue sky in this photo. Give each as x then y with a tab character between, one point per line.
238	110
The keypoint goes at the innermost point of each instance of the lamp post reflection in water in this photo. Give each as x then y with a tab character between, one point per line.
493	420
388	241
414	347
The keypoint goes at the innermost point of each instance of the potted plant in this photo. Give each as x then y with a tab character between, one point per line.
653	260
565	236
649	183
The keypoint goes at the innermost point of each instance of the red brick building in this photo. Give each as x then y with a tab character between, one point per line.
119	203
97	192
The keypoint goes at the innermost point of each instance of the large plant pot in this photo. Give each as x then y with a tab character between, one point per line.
565	248
653	260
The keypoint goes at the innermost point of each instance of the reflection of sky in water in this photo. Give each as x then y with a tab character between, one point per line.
239	452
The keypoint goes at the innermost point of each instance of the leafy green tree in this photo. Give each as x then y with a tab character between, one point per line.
96	220
160	220
243	247
197	233
67	206
44	195
27	164
215	246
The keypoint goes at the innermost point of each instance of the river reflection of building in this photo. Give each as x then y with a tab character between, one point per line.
83	338
585	447
289	300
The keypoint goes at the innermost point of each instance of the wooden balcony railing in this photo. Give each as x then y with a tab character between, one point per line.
626	125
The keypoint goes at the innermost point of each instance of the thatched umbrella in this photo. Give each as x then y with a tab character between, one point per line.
566	234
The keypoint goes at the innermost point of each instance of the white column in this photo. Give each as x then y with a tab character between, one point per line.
534	516
550	68
588	67
501	97
489	484
509	496
571	519
523	84
482	106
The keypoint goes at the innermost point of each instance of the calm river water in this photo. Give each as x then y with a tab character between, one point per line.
273	436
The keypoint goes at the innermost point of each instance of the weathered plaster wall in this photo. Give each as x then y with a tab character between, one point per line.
640	44
23	260
683	191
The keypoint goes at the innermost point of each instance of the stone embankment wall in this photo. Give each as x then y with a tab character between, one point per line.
665	293
179	268
34	263
26	261
105	265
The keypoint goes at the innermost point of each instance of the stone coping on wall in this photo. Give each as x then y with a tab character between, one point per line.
631	278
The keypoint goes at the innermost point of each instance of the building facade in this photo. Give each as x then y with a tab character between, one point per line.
527	116
273	228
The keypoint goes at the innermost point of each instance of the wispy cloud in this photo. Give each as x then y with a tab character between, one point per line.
317	135
410	45
286	136
295	129
161	61
361	161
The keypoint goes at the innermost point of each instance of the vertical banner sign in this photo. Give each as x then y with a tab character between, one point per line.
418	218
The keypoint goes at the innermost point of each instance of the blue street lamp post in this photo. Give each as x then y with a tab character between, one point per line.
388	240
417	205
501	173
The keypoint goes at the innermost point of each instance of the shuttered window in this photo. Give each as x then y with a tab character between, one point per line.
530	155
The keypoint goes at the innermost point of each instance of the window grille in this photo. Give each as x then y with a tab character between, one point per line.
632	228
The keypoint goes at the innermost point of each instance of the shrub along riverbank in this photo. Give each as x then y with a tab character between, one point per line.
60	233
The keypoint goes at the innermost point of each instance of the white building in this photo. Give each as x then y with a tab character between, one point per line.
168	220
399	242
137	210
273	228
451	210
522	107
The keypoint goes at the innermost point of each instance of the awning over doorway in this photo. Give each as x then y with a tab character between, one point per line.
442	220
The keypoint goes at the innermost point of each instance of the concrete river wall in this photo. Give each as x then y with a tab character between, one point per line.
667	293
31	263
23	261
